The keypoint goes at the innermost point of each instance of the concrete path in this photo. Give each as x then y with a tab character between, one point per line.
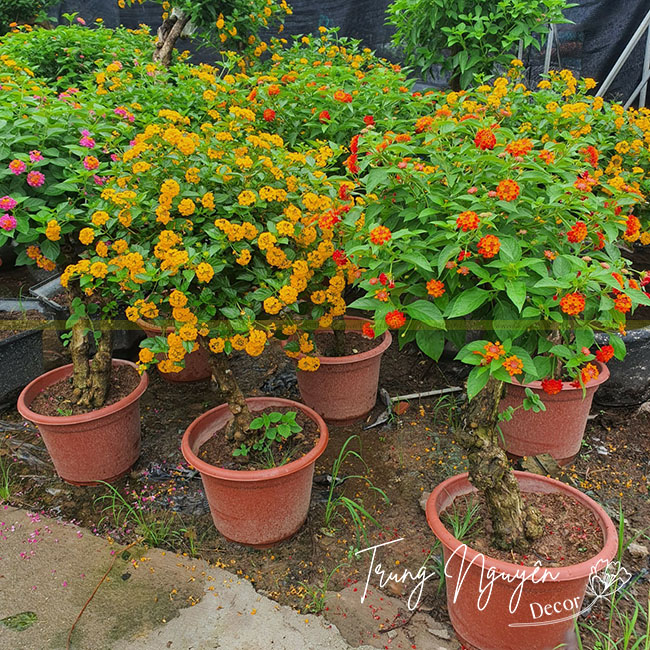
150	600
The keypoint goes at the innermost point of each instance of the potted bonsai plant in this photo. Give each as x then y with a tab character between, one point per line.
53	163
235	233
519	232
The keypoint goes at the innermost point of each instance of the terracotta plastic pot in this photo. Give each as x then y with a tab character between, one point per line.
255	507
559	430
344	389
196	367
101	445
508	616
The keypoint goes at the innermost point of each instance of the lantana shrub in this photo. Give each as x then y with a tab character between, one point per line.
473	212
223	233
67	56
54	153
469	38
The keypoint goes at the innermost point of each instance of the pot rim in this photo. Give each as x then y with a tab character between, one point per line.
146	326
570	572
603	376
256	474
43	381
387	339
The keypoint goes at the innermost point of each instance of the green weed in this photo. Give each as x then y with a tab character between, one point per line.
338	504
153	532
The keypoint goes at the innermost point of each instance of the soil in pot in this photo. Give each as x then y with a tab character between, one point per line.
22	318
55	400
218	451
571	531
353	343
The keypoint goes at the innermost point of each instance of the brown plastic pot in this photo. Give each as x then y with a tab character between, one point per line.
344	389
542	617
196	367
559	430
255	507
101	445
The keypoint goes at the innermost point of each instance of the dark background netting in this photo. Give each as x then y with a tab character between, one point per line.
590	46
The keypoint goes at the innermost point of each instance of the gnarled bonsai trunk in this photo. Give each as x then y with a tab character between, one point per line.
90	378
338	329
238	427
514	524
168	33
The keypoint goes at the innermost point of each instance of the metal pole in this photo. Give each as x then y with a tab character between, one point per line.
646	67
625	54
643	84
520	51
549	49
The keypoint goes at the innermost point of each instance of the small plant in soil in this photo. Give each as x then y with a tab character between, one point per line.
463	519
276	428
316	594
339	504
122	515
5	474
623	623
64	411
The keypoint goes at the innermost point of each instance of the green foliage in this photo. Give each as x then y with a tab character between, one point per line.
277	428
317	594
469	37
27	12
463	520
46	171
70	55
518	215
19	622
339	504
6	465
122	514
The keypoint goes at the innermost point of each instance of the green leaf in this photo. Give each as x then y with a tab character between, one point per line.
431	343
446	254
417	260
477	380
467	302
516	291
19	622
50	249
562	266
374	178
257	423
543	365
426	312
231	313
510	250
365	302
584	337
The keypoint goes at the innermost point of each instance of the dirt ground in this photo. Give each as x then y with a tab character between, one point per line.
405	458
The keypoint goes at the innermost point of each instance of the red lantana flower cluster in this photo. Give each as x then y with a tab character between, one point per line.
467	221
489	246
395	319
380	235
485	139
